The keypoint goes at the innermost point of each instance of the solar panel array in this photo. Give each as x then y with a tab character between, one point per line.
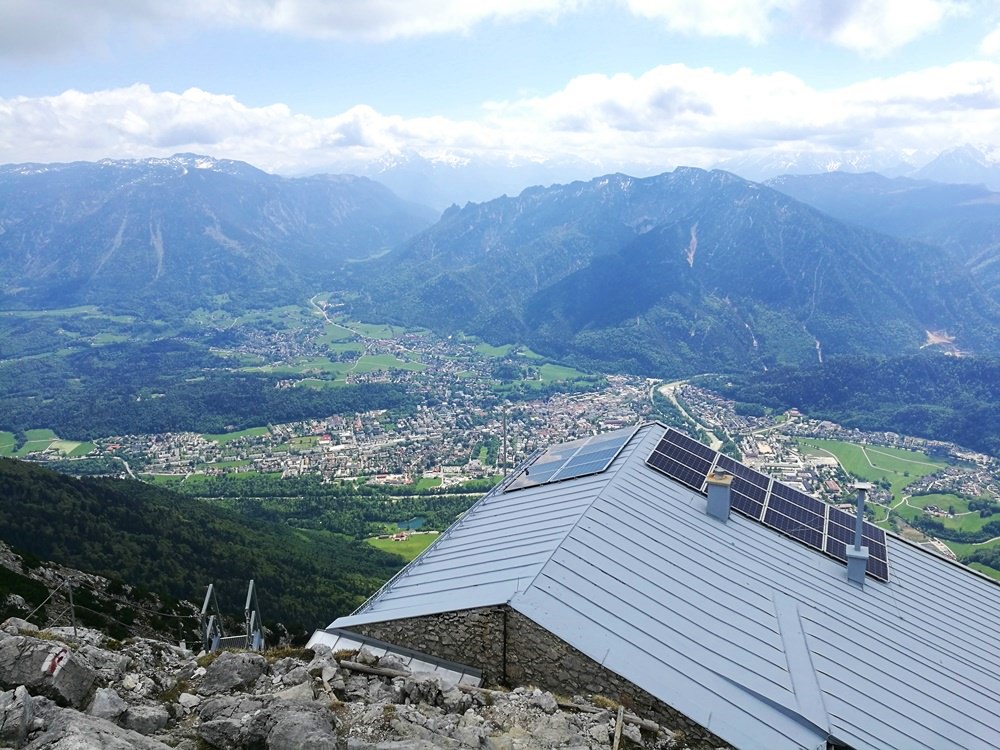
782	508
579	458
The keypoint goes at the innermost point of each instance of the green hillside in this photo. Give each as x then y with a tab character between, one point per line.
927	395
161	541
675	274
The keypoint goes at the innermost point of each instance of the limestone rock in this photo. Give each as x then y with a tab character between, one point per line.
15	625
300	729
295	676
72	730
230	722
189	701
544	701
366	657
17	715
146	719
301	692
107	704
232	671
48	668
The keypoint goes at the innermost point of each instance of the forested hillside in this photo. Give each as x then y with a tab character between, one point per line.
165	542
163	386
675	274
927	395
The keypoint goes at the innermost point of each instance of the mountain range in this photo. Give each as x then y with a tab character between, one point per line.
666	275
446	179
183	230
963	220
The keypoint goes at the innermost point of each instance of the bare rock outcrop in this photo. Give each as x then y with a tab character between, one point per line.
47	667
151	695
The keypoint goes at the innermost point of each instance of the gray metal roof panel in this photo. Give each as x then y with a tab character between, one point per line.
747	632
492	553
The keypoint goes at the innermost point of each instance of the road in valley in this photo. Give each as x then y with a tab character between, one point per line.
669	391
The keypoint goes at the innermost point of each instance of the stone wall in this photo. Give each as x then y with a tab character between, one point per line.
537	657
513	650
472	636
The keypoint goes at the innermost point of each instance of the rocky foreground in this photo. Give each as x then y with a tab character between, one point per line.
91	692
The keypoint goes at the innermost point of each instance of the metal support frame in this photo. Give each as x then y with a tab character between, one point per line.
213	637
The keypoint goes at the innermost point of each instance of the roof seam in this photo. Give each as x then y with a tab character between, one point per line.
621	460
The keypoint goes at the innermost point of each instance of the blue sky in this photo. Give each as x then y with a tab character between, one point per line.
306	85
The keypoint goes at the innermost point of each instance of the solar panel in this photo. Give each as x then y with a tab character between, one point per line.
577	458
683	459
791	518
782	508
748	488
840	535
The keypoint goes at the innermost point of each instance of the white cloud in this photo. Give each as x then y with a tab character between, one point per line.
874	28
990	46
670	115
384	19
871	27
39	28
42	28
752	19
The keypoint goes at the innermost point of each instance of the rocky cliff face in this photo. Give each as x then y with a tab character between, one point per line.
65	692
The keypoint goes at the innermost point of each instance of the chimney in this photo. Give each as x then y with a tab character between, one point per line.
719	497
857	556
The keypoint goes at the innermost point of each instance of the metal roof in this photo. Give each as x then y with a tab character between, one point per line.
750	634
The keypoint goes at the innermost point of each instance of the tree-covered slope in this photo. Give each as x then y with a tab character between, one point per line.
964	220
165	542
926	395
675	274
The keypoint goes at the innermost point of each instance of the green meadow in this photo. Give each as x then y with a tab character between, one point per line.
413	546
36	440
870	463
228	437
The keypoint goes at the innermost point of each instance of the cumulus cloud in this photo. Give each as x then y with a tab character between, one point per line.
37	28
990	45
386	19
42	28
752	19
870	27
874	27
670	115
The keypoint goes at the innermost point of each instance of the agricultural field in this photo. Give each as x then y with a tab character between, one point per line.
228	437
36	440
305	366
901	468
40	440
375	330
376	362
427	483
409	549
488	350
962	520
550	373
319	383
72	448
871	463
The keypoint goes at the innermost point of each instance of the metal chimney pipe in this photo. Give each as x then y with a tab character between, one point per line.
859	522
857	558
720	499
